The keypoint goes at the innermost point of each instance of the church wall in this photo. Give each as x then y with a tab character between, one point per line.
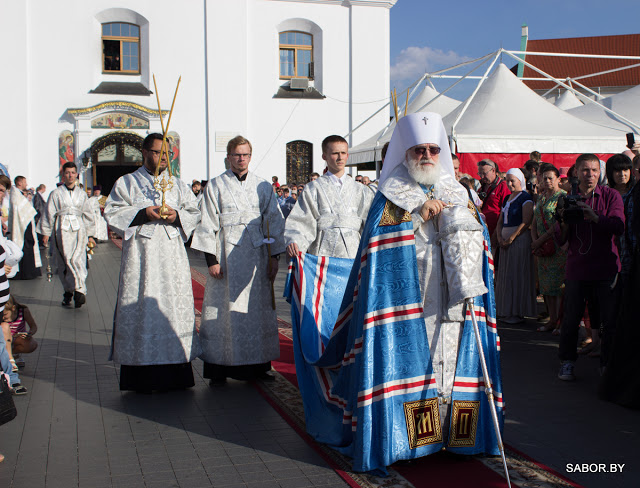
57	46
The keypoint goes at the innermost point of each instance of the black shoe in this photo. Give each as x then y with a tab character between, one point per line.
266	377
79	299
66	299
217	382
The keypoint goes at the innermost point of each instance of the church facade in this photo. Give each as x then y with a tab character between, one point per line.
283	73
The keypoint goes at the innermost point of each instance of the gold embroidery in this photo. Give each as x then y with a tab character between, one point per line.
423	422
464	420
473	210
394	215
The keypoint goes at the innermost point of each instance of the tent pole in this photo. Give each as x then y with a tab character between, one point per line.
572	55
466	104
547	75
449	88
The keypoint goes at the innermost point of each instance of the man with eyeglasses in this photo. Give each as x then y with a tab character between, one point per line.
330	214
493	192
241	223
154	336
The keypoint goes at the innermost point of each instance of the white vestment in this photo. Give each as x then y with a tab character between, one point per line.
21	214
239	325
328	219
154	321
70	219
101	223
449	254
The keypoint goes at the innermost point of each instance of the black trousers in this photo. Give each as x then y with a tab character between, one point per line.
600	298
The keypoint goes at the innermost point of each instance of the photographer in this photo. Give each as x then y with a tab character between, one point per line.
590	219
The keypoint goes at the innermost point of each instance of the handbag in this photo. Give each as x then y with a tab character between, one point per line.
7	407
548	247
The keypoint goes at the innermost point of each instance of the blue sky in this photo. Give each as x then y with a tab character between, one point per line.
428	35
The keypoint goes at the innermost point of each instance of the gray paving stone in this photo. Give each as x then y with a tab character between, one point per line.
298	482
78	429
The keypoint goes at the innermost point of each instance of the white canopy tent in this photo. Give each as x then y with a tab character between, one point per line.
429	100
568	101
506	120
505	116
626	104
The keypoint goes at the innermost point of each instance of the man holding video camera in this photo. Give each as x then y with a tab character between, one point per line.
591	216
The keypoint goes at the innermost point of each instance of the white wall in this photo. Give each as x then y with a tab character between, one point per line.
55	56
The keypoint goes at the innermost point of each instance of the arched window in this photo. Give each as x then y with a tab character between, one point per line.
120	48
299	162
296	55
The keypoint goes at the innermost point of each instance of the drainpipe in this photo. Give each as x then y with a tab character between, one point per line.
523	48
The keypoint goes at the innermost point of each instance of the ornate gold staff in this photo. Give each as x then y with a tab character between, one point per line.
268	241
394	99
406	105
166	184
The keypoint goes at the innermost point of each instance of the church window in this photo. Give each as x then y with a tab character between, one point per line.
120	48
296	55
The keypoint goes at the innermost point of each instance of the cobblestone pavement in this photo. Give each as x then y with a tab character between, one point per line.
76	429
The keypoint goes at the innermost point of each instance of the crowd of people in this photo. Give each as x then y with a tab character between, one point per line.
567	235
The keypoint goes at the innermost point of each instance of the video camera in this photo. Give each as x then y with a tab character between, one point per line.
572	213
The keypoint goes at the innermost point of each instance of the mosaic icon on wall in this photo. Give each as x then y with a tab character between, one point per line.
174	146
118	120
65	149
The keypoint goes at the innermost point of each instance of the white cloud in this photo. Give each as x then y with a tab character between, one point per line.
414	61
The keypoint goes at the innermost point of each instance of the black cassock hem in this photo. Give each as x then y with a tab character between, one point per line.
245	372
156	377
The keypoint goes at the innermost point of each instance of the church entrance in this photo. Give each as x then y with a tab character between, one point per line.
299	162
114	155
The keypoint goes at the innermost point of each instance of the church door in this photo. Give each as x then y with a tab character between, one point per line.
114	155
299	162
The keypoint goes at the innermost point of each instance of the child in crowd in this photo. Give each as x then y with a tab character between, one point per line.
19	340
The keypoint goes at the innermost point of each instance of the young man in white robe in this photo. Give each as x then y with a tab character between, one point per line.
22	227
96	201
331	211
69	219
154	331
239	331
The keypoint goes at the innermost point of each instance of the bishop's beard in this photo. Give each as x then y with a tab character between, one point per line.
424	174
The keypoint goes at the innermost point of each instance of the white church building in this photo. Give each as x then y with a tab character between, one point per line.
78	82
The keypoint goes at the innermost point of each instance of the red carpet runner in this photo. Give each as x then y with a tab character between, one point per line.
442	469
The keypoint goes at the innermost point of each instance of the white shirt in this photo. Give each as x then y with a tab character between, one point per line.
338	181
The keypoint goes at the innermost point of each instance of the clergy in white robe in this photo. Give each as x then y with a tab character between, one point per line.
96	202
331	211
154	332
22	228
69	220
239	331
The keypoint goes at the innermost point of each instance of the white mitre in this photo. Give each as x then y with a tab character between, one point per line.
414	129
395	182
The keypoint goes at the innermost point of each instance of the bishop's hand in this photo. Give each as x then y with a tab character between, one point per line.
431	208
216	271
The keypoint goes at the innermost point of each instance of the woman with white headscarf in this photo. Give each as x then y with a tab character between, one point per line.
515	280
